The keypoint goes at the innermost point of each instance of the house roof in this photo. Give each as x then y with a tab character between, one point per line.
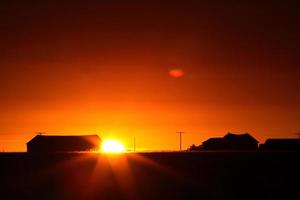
245	136
216	139
232	136
282	140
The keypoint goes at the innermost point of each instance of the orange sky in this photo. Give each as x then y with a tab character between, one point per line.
105	68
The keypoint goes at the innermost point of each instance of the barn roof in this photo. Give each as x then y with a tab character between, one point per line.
55	138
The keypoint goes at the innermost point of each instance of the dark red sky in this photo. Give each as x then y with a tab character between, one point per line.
104	67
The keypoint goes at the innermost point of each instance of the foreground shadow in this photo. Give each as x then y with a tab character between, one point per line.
186	175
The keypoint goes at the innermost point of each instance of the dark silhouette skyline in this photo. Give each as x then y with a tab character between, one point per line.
240	142
43	143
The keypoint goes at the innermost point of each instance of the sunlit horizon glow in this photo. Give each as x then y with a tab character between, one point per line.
116	69
112	146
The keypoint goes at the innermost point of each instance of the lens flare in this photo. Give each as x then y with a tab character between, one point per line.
112	146
176	73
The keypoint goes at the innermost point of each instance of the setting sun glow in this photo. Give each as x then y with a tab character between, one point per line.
112	146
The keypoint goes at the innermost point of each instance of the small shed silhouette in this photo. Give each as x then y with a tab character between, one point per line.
231	142
292	144
62	143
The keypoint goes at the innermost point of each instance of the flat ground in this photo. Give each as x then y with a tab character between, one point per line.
186	175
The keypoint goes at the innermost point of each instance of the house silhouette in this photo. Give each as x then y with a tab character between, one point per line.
292	144
63	143
231	141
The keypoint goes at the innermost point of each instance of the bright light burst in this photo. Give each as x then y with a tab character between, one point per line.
112	146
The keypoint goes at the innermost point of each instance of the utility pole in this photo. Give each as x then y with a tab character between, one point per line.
180	139
133	143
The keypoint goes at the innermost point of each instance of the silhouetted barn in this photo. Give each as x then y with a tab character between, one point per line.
231	142
281	144
59	143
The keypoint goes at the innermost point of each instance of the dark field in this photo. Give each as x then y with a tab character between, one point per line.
203	175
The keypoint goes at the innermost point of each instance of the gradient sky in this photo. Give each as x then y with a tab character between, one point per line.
104	67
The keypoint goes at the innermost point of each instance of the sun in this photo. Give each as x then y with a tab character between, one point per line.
112	146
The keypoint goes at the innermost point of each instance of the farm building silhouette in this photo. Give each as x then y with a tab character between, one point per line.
230	141
285	144
62	143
